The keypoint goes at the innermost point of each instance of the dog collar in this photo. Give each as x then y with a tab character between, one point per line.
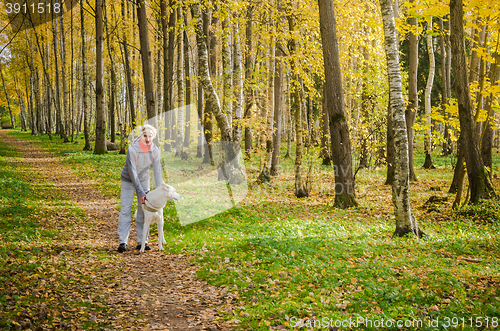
146	207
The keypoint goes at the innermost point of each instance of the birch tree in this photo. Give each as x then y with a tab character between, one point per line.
233	175
405	220
428	164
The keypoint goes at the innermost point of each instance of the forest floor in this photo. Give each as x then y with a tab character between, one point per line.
272	262
78	280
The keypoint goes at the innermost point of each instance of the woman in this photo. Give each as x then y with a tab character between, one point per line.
141	156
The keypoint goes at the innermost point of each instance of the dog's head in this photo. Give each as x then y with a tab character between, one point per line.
170	192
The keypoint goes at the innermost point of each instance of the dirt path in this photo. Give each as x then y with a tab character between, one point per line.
162	288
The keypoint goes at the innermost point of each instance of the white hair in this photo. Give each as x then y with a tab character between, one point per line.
149	128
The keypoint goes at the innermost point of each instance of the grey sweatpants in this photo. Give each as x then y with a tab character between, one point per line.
125	218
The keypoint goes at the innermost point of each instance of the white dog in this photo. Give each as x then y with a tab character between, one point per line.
153	211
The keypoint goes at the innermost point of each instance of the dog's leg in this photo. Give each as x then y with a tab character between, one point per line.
162	223
145	229
161	238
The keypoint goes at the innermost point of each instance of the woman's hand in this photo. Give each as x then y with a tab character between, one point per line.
143	200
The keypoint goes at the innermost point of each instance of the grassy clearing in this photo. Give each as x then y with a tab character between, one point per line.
289	261
45	269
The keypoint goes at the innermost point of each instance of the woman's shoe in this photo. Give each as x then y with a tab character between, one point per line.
122	248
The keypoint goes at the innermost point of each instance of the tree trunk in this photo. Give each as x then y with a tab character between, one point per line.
302	185
128	72
201	130
8	99
22	114
38	100
60	125
100	123
227	70
187	68
428	164
168	69
210	40
486	142
65	110
412	107
179	145
248	81
479	182
325	133
334	105
112	84
31	103
265	174
232	174
204	72
147	72
86	124
405	220
443	46
238	85
278	110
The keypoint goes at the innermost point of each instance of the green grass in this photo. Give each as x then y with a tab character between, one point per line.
284	259
39	262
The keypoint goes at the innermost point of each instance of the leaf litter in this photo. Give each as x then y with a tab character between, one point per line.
82	282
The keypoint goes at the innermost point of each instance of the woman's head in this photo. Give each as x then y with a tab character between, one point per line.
148	133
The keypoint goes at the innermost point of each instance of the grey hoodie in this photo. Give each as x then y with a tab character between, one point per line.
137	164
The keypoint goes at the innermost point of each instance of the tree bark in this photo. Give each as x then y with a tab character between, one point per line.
168	70
302	185
100	123
486	142
479	182
206	80
211	41
265	174
279	99
443	46
112	83
187	69
248	81
325	133
22	114
405	220
86	124
65	110
428	164
232	174
147	72
8	99
238	84
412	107
334	105
128	72
227	70
179	145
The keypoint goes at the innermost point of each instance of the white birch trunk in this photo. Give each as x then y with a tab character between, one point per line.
428	92
227	66
405	221
237	83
